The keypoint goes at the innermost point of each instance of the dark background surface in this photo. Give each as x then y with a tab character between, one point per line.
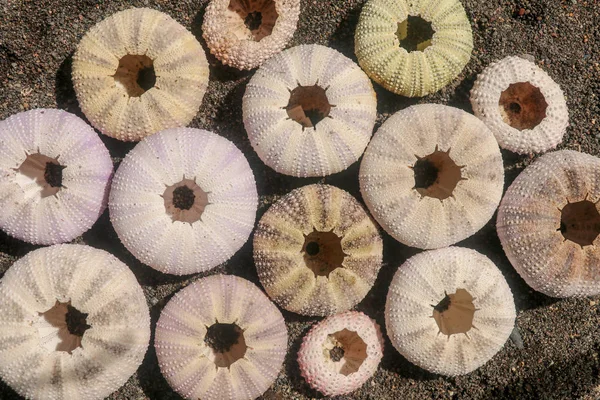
561	337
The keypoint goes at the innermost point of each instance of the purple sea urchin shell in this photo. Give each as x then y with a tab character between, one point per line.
74	324
341	353
220	339
55	173
183	200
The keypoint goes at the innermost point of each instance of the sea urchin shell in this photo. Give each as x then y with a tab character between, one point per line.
449	310
74	324
220	339
548	223
317	251
183	200
341	353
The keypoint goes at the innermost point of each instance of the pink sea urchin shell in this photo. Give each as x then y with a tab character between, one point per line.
220	339
74	324
183	200
54	172
341	353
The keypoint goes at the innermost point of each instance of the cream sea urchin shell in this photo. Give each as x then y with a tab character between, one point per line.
220	339
449	310
74	324
432	175
548	223
183	200
341	353
139	72
413	48
54	173
317	251
245	33
309	111
523	107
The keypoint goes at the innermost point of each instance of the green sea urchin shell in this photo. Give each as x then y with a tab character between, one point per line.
432	65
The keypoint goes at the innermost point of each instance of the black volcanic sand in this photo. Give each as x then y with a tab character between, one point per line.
561	337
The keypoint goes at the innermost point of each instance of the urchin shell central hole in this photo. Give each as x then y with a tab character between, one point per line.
252	19
323	252
415	33
183	198
308	105
135	74
580	222
454	313
227	343
45	171
522	106
347	351
62	327
185	201
436	175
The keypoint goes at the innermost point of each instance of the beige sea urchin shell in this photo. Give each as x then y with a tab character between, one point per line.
74	324
548	223
220	339
432	175
245	33
183	200
413	48
449	310
309	111
523	107
341	353
139	72
317	251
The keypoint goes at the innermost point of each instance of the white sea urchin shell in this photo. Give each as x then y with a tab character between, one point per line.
548	223
74	324
309	111
54	172
239	44
449	310
139	72
183	200
341	353
220	339
523	107
432	175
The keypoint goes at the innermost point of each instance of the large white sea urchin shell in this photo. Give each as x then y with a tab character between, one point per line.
449	310
54	176
220	339
74	324
309	111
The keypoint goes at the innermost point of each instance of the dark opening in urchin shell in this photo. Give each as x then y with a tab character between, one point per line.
436	175
67	324
415	33
227	343
45	171
256	16
454	313
323	252
135	74
185	201
308	105
580	222
348	353
522	106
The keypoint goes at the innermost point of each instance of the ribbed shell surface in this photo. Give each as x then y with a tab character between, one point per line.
179	63
137	209
387	179
182	327
278	242
423	281
26	214
529	224
336	141
485	96
97	284
414	73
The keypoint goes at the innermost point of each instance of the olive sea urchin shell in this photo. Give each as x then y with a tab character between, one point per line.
523	107
449	310
548	223
341	353
54	173
74	324
139	72
309	111
183	200
317	251
413	48
432	175
220	339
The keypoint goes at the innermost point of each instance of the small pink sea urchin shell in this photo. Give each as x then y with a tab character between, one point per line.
220	339
341	353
